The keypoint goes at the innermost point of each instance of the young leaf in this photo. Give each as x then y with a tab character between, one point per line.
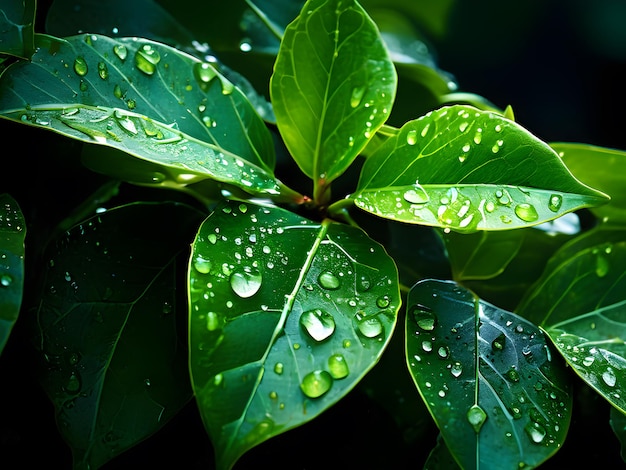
147	99
114	368
12	234
465	170
487	377
333	86
589	330
286	317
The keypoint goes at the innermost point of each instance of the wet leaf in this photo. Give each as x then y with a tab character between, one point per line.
12	234
113	365
463	169
17	25
488	378
287	315
580	302
328	108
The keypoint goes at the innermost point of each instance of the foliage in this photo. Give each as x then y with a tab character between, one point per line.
245	240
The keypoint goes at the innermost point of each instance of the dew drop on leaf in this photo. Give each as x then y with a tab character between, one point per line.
370	327
457	369
120	51
609	377
499	342
443	352
555	202
147	58
103	71
417	195
279	368
213	321
337	366
602	266
357	96
5	280
328	280
246	282
383	301
73	383
526	212
476	416
80	66
424	317
318	324
316	383
411	137
536	432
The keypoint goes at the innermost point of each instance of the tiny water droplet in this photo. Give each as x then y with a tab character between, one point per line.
147	58
120	51
499	342
457	369
337	366
246	282
411	137
103	71
476	416
318	324
328	280
357	96
555	202
279	368
316	383
80	66
526	212
383	301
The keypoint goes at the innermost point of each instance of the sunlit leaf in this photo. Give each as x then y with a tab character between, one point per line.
601	168
329	106
12	234
488	378
465	170
17	26
287	315
580	301
113	364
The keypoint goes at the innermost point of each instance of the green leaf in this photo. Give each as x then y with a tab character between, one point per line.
601	168
12	234
287	315
333	86
589	330
487	377
465	170
17	26
146	99
113	365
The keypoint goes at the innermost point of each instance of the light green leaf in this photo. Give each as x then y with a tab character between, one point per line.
17	26
286	317
333	86
12	234
487	377
465	170
147	99
601	168
112	363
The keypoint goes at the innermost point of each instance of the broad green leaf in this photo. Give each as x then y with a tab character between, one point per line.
286	317
113	365
487	377
463	169
580	302
17	27
12	234
618	424
601	168
333	86
146	99
431	16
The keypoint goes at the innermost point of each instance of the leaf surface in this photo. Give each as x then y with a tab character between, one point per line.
465	170
113	363
333	86
12	234
487	377
287	315
17	26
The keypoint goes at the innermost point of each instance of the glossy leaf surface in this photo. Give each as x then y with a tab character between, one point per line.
286	317
113	364
12	234
333	86
465	170
147	99
487	377
588	329
17	25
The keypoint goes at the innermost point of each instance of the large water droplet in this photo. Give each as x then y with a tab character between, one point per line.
411	137
526	212
202	265
337	366
316	383
213	321
5	280
318	324
555	202
609	377
73	383
80	66
424	317
328	280
147	58
476	417
417	195
120	51
357	96
383	301
536	432
246	282
457	369
370	327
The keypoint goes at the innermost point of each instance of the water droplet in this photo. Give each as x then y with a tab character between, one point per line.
73	383
526	212
512	375
411	137
80	66
476	416
443	352
427	346
247	282
383	301
328	280
555	202
103	71
318	324
279	368
5	280
424	317
478	137
417	195
147	58
466	148
602	266
499	342
213	321
588	361
609	377
536	432
357	96
370	327
120	51
337	366
457	369
316	383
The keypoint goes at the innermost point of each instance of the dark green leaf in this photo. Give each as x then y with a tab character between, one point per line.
17	27
114	367
12	234
601	168
333	86
431	16
440	457
580	302
286	317
464	169
487	377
